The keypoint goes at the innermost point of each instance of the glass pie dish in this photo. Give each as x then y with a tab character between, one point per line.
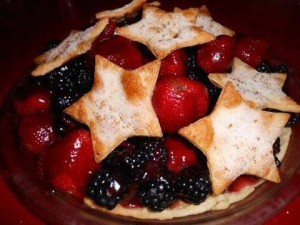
58	208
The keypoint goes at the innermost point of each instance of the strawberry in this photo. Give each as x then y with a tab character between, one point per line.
120	51
251	50
242	182
181	154
31	99
108	32
175	64
179	101
217	55
69	163
37	132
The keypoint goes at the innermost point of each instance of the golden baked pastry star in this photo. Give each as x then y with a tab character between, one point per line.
126	10
261	90
77	43
237	139
118	105
163	32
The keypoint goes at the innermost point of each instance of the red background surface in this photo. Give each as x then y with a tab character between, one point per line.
26	25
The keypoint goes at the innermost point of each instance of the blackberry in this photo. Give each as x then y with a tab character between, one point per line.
130	19
194	71
277	162
60	102
106	188
293	119
276	150
124	160
194	185
264	67
64	123
148	148
198	74
131	158
69	82
214	93
159	192
280	69
276	146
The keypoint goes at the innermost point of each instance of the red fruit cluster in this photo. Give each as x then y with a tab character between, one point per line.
69	163
216	56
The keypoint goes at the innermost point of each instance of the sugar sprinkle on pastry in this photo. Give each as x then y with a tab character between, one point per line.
237	139
77	43
207	23
261	90
163	32
118	106
128	9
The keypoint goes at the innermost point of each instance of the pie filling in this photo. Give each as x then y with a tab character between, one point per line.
156	173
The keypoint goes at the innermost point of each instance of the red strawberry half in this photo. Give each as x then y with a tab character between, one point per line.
31	99
251	50
37	132
179	101
242	182
70	162
175	64
216	56
181	154
120	51
108	32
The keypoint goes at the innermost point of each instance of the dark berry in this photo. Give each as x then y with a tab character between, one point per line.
280	69
194	185
198	74
276	146
124	161
264	67
60	102
159	192
277	162
106	188
69	82
64	123
148	148
130	158
130	19
194	71
294	118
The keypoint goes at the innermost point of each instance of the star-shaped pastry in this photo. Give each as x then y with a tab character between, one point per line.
163	32
77	43
207	23
237	139
118	105
126	10
261	90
